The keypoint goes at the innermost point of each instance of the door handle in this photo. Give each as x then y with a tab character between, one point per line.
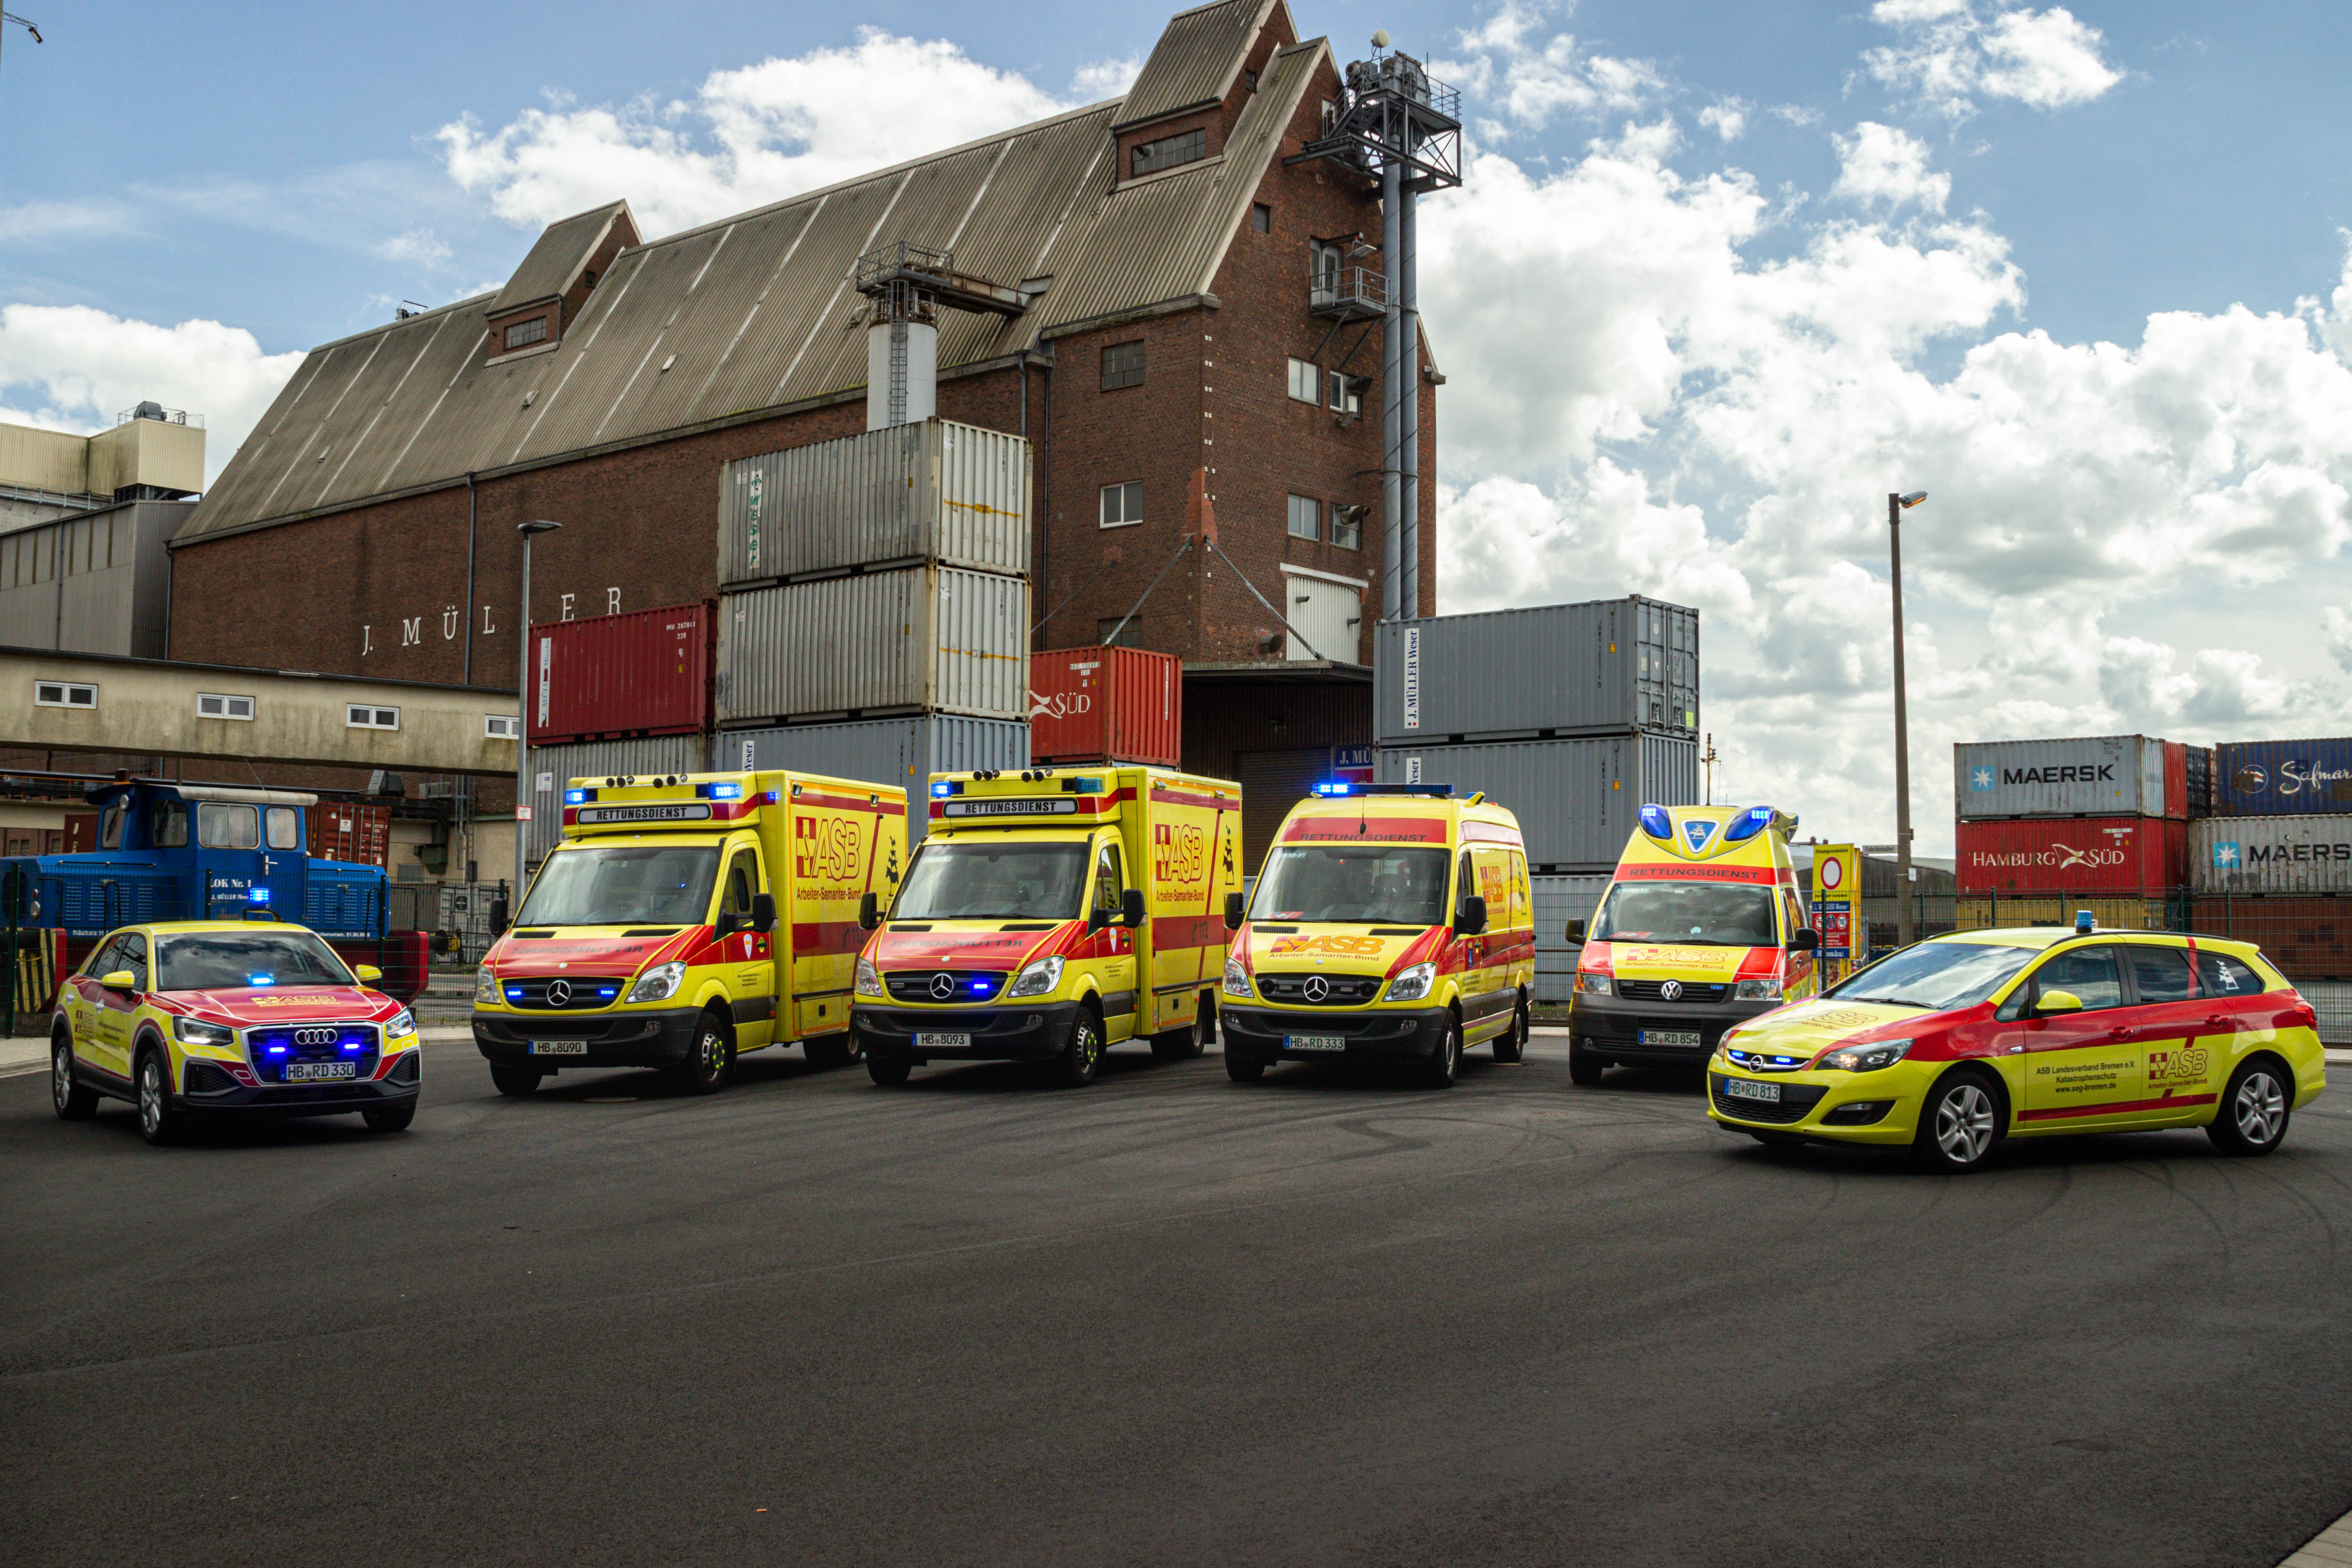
2118	1034
2217	1022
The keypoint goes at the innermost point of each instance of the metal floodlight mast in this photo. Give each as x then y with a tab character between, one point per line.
523	801
10	18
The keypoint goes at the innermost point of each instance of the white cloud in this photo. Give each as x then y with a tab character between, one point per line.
2337	628
1530	81
67	221
418	246
1950	53
1727	118
1881	164
1098	79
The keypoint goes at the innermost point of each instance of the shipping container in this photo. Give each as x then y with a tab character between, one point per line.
1106	705
1558	901
1985	912
2307	935
2085	775
901	753
2271	854
925	637
648	672
2120	855
1577	800
2282	778
933	490
1594	668
551	767
351	832
2197	773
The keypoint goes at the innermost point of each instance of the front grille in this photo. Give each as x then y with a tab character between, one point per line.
1796	1100
941	986
405	1069
274	1048
1342	991
583	991
1654	991
203	1077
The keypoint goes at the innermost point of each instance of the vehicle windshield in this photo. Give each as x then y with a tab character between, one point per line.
227	960
1359	884
995	881
622	885
1936	975
1688	914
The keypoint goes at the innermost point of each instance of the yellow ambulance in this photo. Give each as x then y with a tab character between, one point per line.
1390	924
1052	913
1702	928
687	919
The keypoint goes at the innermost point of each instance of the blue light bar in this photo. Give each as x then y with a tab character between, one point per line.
941	788
1656	823
1086	787
261	980
2086	921
1331	789
1747	823
727	792
277	1050
576	796
258	895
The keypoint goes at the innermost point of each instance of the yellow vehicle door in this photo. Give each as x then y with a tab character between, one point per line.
1522	970
1802	976
844	844
101	1024
1184	936
2082	1071
2182	1042
749	956
1116	970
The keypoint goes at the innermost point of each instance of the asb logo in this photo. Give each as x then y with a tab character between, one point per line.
1696	834
1980	779
2226	858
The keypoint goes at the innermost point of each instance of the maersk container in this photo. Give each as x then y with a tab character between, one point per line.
1106	705
1577	800
2271	854
901	753
646	672
2282	778
924	637
552	766
1558	901
2124	855
1594	668
932	490
2084	775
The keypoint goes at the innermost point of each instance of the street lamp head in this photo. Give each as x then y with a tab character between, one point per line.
540	526
1913	498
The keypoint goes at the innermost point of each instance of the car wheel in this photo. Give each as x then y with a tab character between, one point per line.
709	1065
1583	1066
160	1122
1083	1054
75	1102
391	1118
1958	1125
1243	1069
1511	1044
516	1080
889	1069
828	1050
1445	1062
2253	1112
1183	1045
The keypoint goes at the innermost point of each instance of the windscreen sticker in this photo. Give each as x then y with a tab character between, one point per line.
1405	830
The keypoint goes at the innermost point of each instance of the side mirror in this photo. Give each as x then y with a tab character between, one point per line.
1805	939
728	923
763	912
497	917
1131	907
1236	911
368	973
2055	1001
1471	919
120	980
1575	933
869	910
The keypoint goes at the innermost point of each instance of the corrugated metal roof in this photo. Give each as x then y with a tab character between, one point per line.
752	313
555	262
1196	59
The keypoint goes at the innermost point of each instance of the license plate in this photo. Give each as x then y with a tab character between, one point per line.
1672	1038
310	1072
559	1048
943	1040
1314	1042
1748	1089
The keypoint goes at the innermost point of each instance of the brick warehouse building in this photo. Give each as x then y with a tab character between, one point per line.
1169	249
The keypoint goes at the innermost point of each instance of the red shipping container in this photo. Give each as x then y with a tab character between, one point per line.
612	678
2073	854
2176	779
362	834
1106	705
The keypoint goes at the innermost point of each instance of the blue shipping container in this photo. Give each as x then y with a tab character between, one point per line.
2282	778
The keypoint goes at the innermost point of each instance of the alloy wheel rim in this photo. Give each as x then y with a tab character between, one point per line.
2261	1108
1964	1123
61	1074
714	1052
150	1096
1089	1046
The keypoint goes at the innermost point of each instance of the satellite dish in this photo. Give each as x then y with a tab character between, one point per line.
1380	39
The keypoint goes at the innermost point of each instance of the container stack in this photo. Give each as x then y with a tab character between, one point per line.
2047	827
1571	715
624	694
2273	864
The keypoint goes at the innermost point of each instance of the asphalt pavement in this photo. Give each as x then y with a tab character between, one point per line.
1327	1318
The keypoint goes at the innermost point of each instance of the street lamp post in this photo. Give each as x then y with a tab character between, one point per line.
523	799
7	17
1904	900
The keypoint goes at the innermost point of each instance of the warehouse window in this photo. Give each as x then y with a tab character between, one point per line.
1348	393
1184	147
1123	365
1305	517
64	694
1261	218
285	832
214	705
524	332
1304	379
1347	526
502	726
366	716
1122	504
1130	635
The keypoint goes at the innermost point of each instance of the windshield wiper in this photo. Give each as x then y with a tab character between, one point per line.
1896	1002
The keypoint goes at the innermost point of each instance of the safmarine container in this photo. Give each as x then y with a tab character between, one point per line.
1560	669
2129	854
1577	800
2085	775
2272	853
2282	778
1106	705
933	490
648	672
901	753
552	766
906	640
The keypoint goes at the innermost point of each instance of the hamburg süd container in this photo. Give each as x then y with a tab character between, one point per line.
1106	705
900	753
2084	775
921	638
2272	853
361	834
2145	855
644	672
1577	800
1605	667
552	767
2282	778
931	491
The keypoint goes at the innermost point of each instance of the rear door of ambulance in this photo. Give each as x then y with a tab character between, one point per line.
842	840
1191	831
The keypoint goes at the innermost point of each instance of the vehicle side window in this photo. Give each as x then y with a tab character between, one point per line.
742	880
1792	917
102	958
1110	889
1466	881
2160	973
1522	909
224	827
2088	971
109	826
2219	974
170	825
282	834
131	953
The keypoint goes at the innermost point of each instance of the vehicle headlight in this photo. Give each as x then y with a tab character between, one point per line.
1866	1058
1413	983
1593	985
869	979
658	984
190	1032
1758	991
402	1023
1038	980
485	987
1237	980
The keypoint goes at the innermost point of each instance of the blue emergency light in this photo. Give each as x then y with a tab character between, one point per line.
1656	823
258	895
1747	823
727	792
1331	789
2086	923
941	788
261	980
577	796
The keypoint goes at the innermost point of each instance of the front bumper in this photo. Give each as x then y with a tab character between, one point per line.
206	1087
1848	1107
631	1037
1611	1027
1372	1034
1014	1032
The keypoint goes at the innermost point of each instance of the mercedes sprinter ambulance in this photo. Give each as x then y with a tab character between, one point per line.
1050	914
1702	928
685	919
1390	924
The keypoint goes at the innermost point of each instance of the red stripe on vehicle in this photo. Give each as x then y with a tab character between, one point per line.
1174	933
2116	1106
1683	871
1365	829
812	938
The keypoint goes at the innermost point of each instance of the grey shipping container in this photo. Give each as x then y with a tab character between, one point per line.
1594	668
923	638
2082	775
97	583
902	752
1577	800
933	490
2271	854
1558	901
2282	778
552	766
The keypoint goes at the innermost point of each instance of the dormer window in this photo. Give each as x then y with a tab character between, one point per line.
523	333
1169	151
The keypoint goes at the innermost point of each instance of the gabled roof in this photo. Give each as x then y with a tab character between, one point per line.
743	318
559	256
1197	59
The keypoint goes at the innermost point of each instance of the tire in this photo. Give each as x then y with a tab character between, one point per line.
1960	1125
1444	1064
1511	1044
1183	1045
74	1101
2252	1119
889	1069
707	1067
829	1051
1076	1065
160	1122
516	1080
391	1118
1243	1069
1584	1069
